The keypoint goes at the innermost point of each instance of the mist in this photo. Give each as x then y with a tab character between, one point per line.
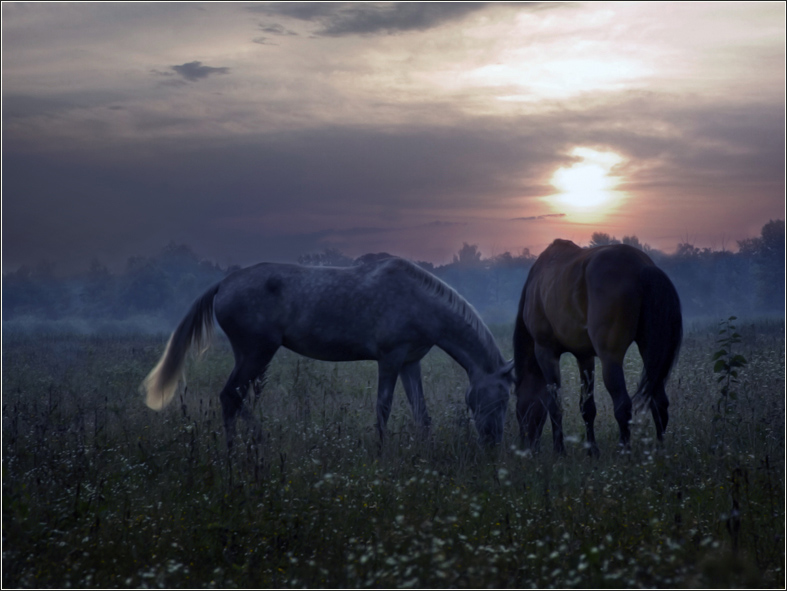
150	294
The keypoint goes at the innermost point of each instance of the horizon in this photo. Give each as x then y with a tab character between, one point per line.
268	131
76	268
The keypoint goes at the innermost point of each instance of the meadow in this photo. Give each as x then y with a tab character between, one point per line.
100	491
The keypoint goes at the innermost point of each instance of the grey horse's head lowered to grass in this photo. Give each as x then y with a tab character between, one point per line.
385	309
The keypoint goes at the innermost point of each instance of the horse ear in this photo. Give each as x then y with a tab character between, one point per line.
507	371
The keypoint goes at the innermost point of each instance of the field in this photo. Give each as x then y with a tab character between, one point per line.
100	491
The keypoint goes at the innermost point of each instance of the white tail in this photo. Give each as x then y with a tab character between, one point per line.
195	328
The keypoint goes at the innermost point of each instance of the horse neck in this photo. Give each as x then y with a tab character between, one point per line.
471	345
460	332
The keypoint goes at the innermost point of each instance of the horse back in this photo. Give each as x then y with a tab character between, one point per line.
575	297
613	276
553	306
331	313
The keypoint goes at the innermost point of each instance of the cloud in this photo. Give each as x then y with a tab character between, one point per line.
538	217
340	19
20	106
276	29
193	71
442	224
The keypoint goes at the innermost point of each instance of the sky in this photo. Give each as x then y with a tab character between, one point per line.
264	131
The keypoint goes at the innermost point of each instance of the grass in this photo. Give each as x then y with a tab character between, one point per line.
99	491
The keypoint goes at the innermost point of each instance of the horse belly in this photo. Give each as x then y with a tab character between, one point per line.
328	338
325	349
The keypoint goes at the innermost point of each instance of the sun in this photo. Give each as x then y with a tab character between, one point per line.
586	189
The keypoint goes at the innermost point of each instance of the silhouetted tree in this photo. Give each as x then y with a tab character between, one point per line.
330	257
35	291
767	253
148	288
371	257
468	255
97	292
602	239
633	241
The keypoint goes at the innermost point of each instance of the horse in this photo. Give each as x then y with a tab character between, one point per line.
593	302
383	308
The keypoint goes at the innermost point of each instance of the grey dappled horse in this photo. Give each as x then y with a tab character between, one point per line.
593	302
388	310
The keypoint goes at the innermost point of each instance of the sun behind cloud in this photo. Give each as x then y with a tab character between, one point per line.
587	188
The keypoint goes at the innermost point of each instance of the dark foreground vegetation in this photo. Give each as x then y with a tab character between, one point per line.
99	491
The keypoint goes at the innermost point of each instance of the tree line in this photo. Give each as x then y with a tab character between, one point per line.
711	283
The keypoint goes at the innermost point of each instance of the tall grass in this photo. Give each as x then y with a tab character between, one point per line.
99	491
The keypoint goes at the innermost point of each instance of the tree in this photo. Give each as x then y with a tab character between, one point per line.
633	241
602	239
468	255
767	255
97	290
687	251
330	257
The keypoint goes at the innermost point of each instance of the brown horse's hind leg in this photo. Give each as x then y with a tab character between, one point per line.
531	412
587	401
550	365
615	382
658	408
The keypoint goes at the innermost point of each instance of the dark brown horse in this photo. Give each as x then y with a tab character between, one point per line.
593	302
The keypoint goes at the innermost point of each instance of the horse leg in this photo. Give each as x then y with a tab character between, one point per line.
531	413
587	402
658	396
413	387
615	382
550	365
386	382
247	369
658	408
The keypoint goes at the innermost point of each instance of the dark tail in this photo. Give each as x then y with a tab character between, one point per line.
659	334
195	328
524	346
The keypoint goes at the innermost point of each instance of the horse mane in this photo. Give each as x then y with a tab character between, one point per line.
453	300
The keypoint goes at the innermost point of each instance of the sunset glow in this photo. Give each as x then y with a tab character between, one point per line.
264	131
587	188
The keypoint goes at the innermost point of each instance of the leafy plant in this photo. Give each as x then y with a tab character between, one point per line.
727	365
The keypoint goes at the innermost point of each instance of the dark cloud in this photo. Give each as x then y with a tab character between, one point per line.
442	224
252	199
306	11
193	71
276	29
717	147
538	217
275	196
20	106
339	19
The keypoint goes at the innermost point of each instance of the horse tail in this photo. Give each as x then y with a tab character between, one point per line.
659	333
524	345
196	328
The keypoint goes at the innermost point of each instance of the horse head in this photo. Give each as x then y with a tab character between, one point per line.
487	398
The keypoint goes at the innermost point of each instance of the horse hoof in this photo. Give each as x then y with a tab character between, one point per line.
593	451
